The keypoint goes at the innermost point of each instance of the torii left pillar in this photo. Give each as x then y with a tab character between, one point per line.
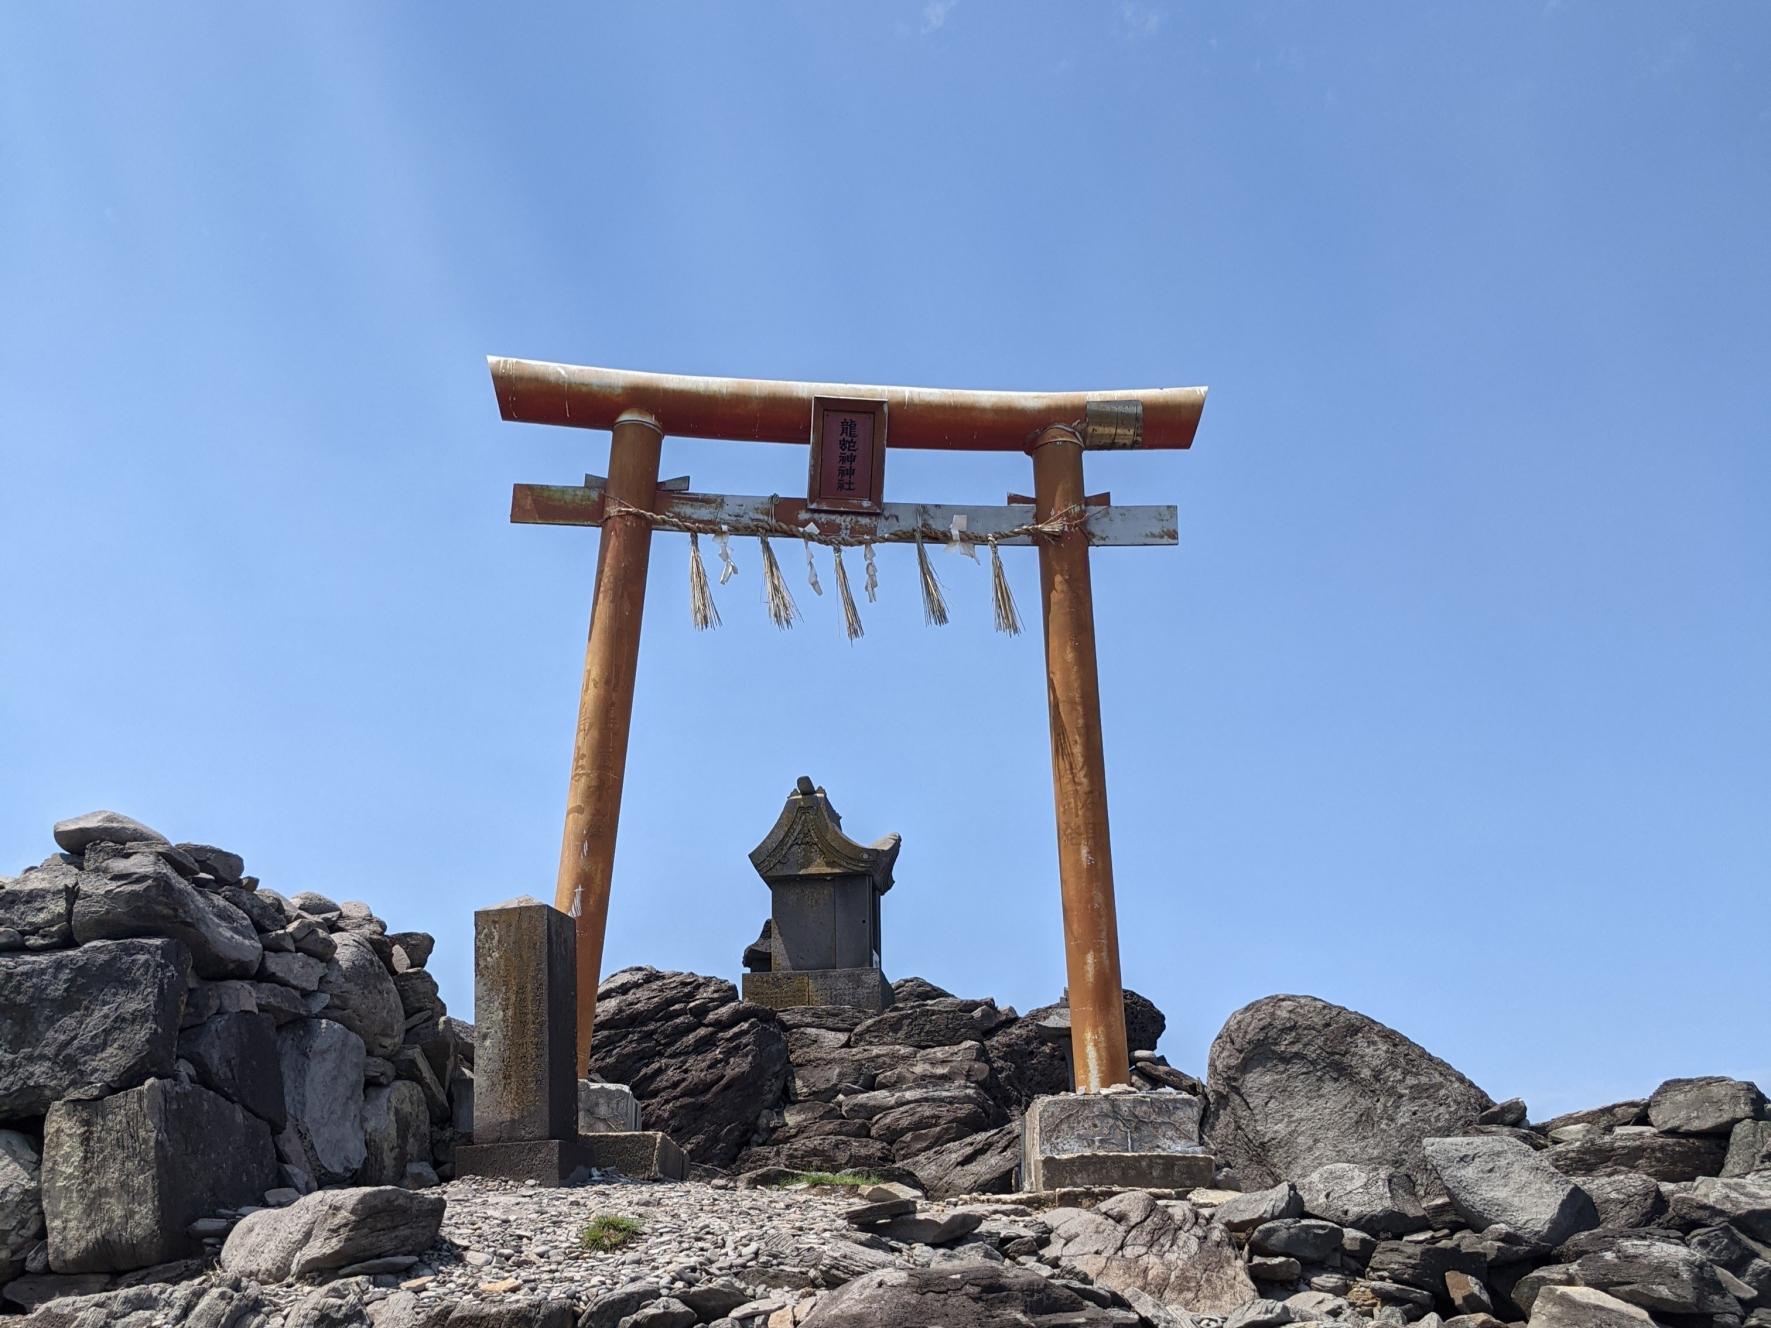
605	705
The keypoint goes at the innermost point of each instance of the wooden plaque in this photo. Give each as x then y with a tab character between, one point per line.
848	455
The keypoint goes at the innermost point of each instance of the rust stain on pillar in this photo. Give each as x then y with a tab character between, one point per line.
605	706
1079	772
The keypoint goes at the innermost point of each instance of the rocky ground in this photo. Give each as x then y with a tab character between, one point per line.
224	1107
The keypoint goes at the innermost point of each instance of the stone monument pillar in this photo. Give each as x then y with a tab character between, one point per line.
528	1102
823	935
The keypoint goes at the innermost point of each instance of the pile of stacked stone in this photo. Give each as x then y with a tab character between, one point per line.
932	1088
181	1045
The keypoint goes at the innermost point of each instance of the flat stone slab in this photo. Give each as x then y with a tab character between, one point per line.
881	1211
1115	1141
606	1108
858	988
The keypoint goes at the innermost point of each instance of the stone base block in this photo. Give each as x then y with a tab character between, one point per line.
641	1154
857	988
606	1108
1117	1140
544	1161
1125	1171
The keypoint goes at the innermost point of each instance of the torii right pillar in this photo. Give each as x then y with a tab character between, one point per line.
1079	771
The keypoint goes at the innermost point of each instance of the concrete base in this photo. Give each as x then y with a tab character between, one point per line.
640	1154
544	1161
1114	1140
606	1108
857	988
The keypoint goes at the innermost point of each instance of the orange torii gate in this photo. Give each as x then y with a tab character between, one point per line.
847	428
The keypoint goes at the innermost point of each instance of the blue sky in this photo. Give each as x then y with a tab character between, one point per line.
1451	705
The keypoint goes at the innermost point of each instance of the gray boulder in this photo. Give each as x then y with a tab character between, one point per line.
703	1064
322	1067
1496	1181
138	894
87	1021
1709	1105
227	868
364	998
38	907
936	1023
954	1295
1377	1200
1624	1199
1585	1307
21	1197
1296	1083
1132	1243
1659	1276
224	1303
332	1229
125	1175
76	834
235	1054
1745	1258
1306	1239
1744	1203
1246	1211
1668	1157
981	1164
396	1133
1749	1149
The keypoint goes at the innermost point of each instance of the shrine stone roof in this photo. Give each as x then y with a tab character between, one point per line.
807	840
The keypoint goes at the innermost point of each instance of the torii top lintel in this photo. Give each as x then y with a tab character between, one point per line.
771	411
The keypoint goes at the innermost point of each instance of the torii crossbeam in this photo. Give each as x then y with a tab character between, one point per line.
1061	520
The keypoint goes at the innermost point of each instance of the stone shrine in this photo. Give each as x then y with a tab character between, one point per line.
821	943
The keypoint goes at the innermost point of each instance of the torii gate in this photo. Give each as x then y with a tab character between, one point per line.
845	506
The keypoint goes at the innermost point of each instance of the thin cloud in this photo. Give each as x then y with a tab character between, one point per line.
934	15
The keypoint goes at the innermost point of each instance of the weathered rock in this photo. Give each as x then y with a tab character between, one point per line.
1306	1239
1497	1181
907	991
1657	1275
954	1295
962	1063
934	1023
1585	1307
412	949
332	1229
703	1064
314	904
1378	1200
322	1067
1749	1149
225	1303
1467	1294
77	833
1744	1203
21	1197
1709	1105
1608	1117
236	1056
1297	1083
943	1229
1745	1258
38	907
227	868
396	1133
1413	1264
364	998
169	1153
982	1164
1132	1242
1624	1198
418	995
139	895
1028	1057
1250	1209
825	1074
88	1021
299	972
1670	1157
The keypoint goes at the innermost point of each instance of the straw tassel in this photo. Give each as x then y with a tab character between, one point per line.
703	612
872	575
934	606
1007	618
851	617
782	610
